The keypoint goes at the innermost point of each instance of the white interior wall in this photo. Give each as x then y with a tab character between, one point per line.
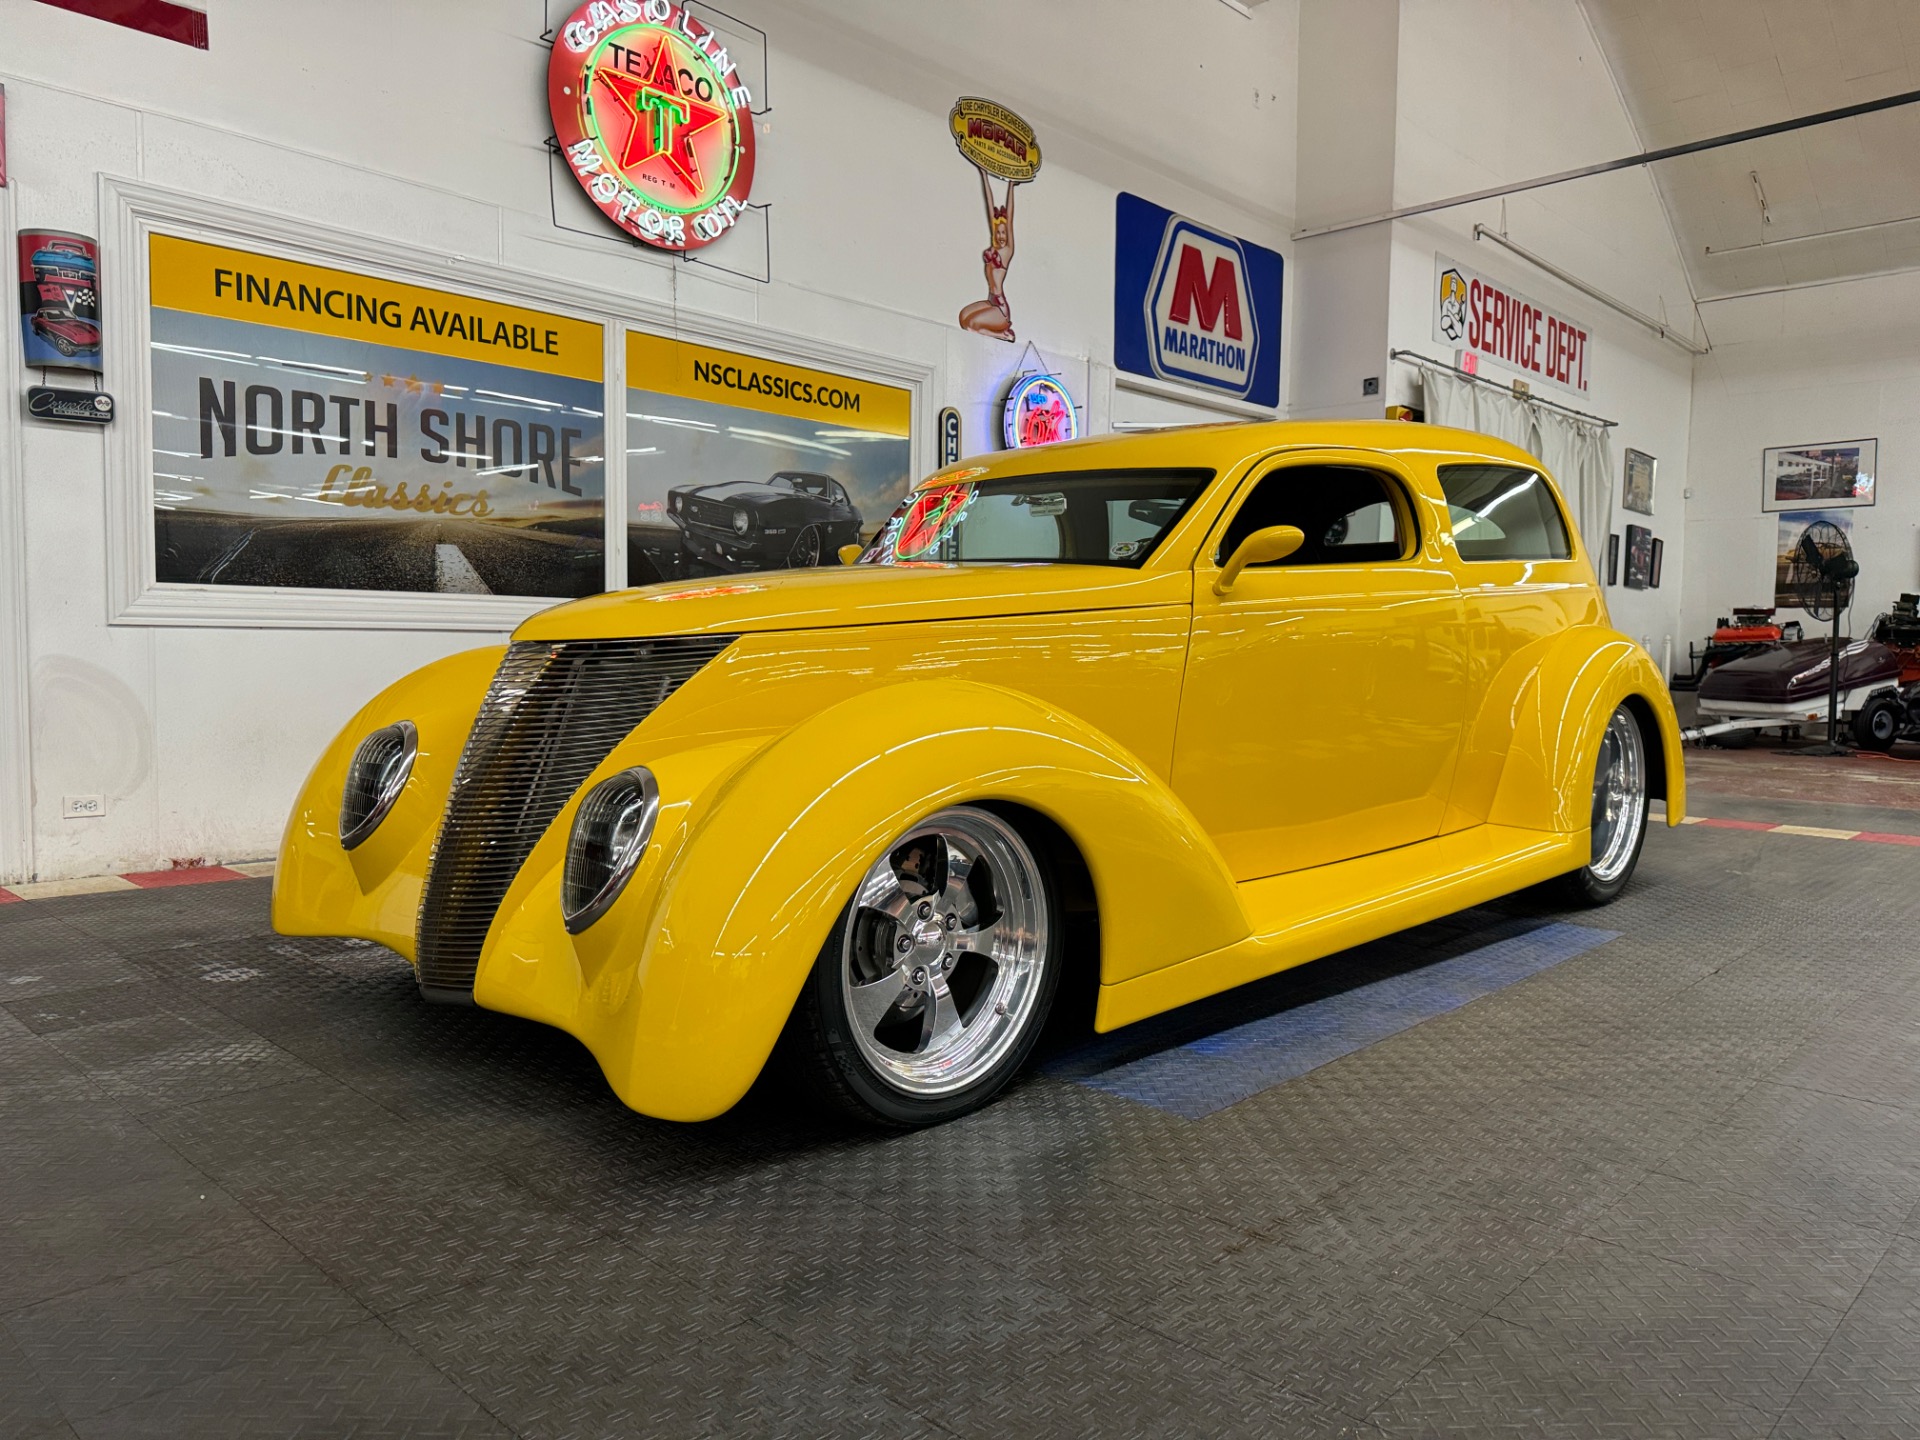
1836	362
384	122
1494	91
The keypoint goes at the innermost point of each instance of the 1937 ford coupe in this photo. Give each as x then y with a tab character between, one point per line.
1154	714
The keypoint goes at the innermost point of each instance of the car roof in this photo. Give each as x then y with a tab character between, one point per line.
1222	447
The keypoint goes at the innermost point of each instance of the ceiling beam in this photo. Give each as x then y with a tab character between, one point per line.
1625	162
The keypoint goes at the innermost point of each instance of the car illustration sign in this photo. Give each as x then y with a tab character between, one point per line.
739	462
1195	305
653	119
60	300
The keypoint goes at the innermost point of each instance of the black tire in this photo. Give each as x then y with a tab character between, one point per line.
805	554
1878	723
820	1051
1600	883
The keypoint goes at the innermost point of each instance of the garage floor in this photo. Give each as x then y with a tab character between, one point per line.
1662	1177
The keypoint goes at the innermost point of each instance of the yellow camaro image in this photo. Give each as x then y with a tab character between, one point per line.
1128	720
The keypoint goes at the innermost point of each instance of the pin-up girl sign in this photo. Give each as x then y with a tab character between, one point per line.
997	143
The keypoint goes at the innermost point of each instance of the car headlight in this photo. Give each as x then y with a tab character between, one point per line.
673	503
375	779
740	522
610	834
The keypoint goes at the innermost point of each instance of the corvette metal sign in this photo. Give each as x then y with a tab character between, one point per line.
1195	305
654	120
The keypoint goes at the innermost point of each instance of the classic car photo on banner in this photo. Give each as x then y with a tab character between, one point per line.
739	463
318	429
59	300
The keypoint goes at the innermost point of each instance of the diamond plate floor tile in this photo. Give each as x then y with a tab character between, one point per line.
1866	1383
1465	1255
42	955
52	1151
1638	1339
357	1380
116	1342
615	1346
1809	1255
162	1059
1503	1381
27	1404
1117	1380
96	1235
1850	1158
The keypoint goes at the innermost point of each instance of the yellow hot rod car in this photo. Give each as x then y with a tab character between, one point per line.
1154	715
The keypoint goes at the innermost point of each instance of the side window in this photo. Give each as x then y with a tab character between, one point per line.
1503	512
1349	515
1013	527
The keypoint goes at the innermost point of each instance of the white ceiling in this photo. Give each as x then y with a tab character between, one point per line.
1691	69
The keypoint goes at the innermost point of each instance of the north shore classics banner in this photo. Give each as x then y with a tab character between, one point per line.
320	429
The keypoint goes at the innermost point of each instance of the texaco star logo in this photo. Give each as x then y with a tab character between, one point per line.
653	119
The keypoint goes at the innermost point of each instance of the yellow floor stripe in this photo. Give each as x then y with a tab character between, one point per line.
1819	832
50	889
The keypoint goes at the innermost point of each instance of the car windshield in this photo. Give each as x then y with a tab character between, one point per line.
1078	517
806	484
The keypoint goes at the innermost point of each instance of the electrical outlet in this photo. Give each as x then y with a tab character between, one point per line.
82	807
1370	385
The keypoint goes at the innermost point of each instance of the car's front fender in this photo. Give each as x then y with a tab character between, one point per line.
683	992
373	892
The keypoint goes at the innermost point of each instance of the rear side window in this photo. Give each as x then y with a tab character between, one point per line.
1347	513
1504	512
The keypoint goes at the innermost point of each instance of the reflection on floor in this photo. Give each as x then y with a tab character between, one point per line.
1664	1184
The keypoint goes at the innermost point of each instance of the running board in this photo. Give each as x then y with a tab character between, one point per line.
1307	914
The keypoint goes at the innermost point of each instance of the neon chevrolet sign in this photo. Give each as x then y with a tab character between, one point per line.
653	120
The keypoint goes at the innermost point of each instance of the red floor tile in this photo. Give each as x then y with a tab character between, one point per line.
7	897
1880	839
199	875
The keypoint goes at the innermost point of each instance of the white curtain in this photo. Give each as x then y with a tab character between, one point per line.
1575	452
1464	405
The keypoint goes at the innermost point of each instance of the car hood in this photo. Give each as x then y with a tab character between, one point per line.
854	595
736	490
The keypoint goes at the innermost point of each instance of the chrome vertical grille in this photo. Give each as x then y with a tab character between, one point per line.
555	710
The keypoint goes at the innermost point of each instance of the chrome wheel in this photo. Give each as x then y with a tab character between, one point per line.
806	550
1619	798
943	953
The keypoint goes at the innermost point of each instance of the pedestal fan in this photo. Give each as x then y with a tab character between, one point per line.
1821	571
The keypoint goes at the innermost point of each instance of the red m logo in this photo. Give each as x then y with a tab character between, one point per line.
1213	294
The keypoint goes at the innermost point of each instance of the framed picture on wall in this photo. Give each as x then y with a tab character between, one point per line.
1825	476
1613	559
1639	556
1636	492
1653	570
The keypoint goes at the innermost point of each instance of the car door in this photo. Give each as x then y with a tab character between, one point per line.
1325	693
1523	583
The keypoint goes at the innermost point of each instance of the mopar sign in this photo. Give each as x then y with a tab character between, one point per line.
1194	305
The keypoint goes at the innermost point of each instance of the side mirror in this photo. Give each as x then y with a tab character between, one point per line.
851	553
1262	547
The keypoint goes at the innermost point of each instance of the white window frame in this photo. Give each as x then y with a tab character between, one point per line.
16	744
134	210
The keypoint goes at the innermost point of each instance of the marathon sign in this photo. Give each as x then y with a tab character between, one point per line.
1193	305
1474	312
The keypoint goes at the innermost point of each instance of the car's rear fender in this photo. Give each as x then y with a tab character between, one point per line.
714	944
1559	715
